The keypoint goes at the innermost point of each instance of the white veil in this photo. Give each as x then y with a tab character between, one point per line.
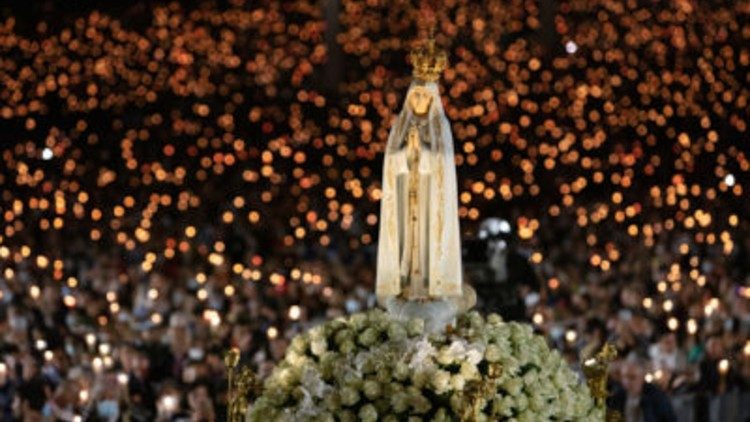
445	277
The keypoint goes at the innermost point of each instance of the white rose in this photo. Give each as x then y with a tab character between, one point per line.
400	402
358	321
494	319
441	381
368	337
507	406
383	375
457	382
396	331
582	405
298	345
415	327
530	378
417	401
332	402
498	408
474	356
492	353
343	335
469	371
317	333
522	402
537	402
347	347
349	396
420	378
318	347
371	389
444	357
527	416
368	413
513	386
401	371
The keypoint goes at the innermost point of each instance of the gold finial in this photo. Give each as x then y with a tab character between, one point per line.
478	392
596	370
241	384
428	61
232	357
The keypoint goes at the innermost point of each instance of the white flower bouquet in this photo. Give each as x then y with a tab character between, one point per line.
371	367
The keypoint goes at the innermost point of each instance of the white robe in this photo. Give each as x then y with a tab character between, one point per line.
440	249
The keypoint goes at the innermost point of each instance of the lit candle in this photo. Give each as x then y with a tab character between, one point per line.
169	403
272	333
41	344
105	348
668	305
294	312
673	323
122	379
34	292
97	364
212	317
648	302
723	366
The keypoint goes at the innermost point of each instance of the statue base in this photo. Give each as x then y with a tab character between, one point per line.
437	313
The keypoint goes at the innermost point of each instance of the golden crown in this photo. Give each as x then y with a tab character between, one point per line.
428	61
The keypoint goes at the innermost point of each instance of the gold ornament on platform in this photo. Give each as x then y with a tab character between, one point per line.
241	383
479	392
596	370
428	61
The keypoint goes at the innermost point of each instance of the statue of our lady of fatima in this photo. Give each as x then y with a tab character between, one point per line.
419	251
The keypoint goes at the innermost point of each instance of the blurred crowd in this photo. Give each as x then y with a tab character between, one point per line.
181	179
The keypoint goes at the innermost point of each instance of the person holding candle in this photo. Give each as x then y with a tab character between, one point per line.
637	400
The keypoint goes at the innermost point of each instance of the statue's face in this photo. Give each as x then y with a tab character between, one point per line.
419	100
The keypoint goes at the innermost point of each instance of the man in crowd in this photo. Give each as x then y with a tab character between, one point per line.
637	400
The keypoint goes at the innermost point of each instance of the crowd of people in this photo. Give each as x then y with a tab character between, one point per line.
179	180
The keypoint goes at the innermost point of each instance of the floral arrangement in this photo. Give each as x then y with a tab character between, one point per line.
371	367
